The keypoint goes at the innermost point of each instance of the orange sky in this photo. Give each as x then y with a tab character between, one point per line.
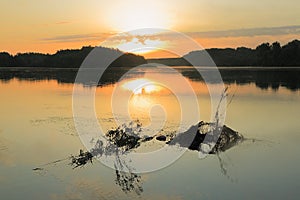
49	25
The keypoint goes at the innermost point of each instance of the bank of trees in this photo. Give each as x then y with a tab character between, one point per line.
265	54
66	58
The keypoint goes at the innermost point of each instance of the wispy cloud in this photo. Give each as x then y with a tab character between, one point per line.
248	32
163	36
77	37
58	23
63	22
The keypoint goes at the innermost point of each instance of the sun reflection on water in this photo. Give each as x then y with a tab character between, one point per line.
142	86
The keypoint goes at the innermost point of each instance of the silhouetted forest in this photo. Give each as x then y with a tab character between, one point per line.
66	58
263	55
29	66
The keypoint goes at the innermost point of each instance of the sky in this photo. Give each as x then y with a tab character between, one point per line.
49	25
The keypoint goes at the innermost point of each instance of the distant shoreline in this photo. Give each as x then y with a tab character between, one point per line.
176	67
264	55
268	55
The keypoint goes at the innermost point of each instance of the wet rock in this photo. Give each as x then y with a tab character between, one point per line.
205	137
228	138
82	159
161	138
147	138
223	137
37	169
126	136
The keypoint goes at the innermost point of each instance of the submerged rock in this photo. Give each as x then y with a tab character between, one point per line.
205	137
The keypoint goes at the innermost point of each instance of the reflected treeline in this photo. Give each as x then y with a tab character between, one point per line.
61	75
262	77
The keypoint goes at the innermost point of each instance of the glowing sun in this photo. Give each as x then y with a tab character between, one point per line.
128	16
136	14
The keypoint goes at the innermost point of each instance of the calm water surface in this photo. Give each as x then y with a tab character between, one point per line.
36	127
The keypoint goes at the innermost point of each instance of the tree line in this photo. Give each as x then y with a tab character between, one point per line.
69	58
265	54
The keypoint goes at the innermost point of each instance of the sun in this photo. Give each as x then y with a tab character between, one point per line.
139	21
136	14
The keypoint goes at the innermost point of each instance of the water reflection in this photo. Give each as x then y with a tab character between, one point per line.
45	132
2	143
262	77
127	137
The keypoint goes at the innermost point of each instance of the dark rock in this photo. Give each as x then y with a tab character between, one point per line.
195	135
148	138
161	138
38	169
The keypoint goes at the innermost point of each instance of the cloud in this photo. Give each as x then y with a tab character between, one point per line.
63	22
167	36
249	32
77	37
58	23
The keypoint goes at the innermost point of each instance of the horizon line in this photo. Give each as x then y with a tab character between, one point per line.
87	46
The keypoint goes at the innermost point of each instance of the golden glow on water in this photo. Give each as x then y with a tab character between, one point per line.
37	119
48	100
139	98
142	86
149	108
